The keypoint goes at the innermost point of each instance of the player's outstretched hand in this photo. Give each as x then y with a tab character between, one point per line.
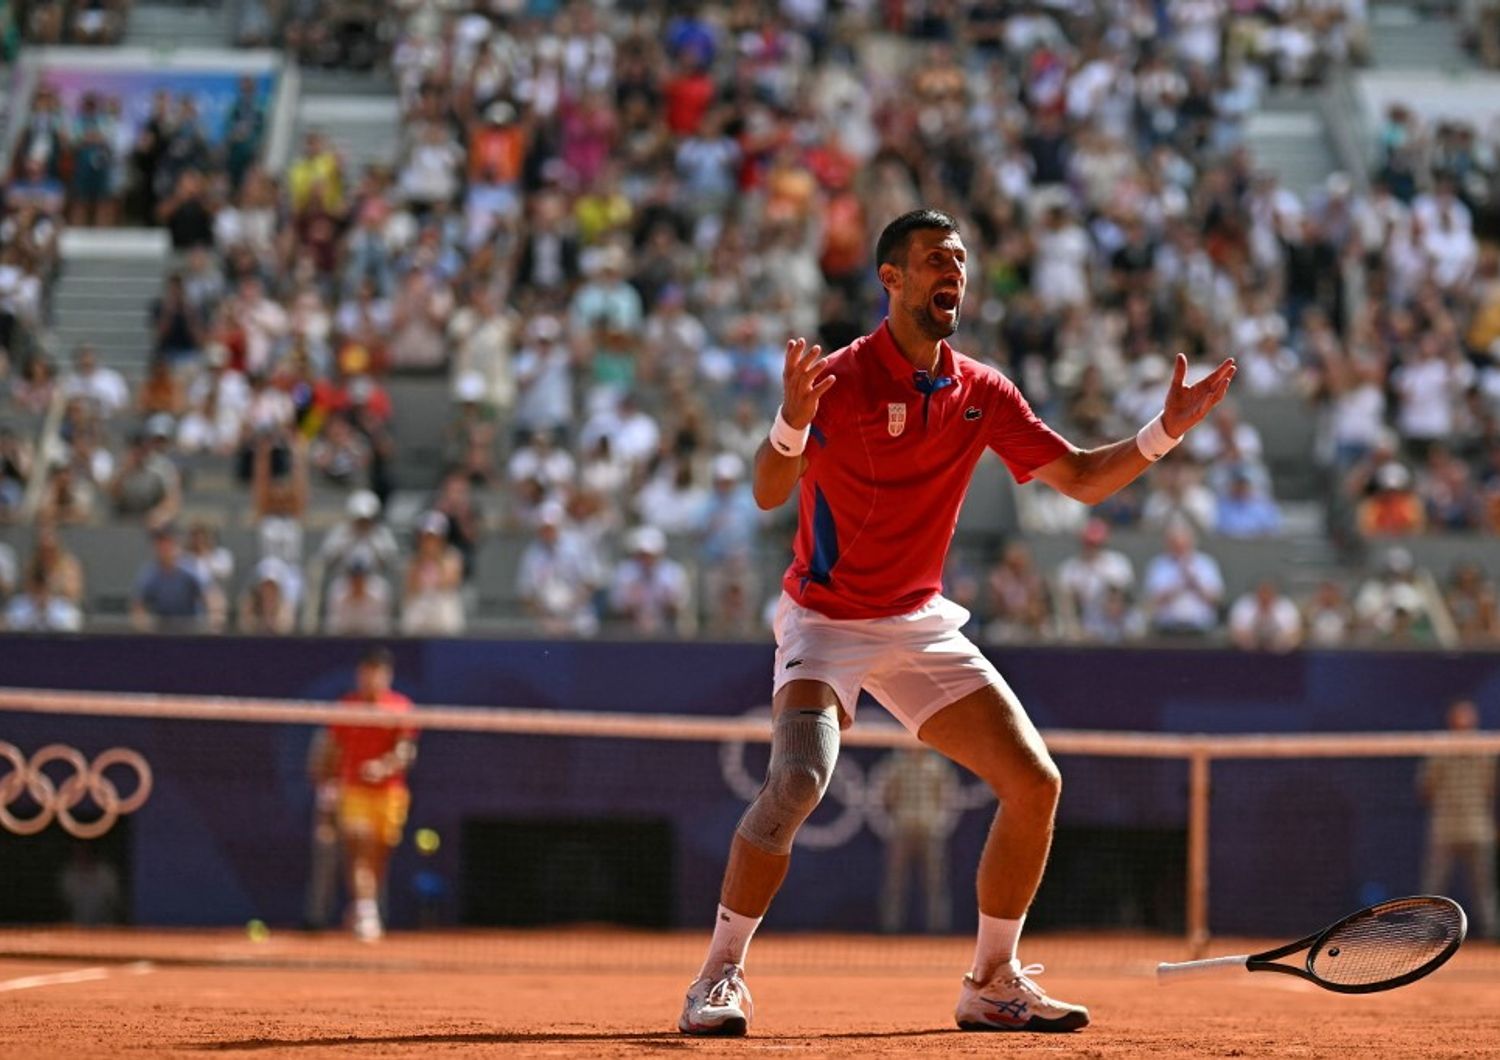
1187	405
804	382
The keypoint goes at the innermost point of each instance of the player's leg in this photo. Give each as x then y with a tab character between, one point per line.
1482	883
987	732
898	856
1437	867
939	903
804	748
359	826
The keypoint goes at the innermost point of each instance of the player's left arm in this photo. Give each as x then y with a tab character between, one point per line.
1091	475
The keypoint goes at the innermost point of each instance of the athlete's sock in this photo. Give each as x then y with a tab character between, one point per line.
731	939
997	945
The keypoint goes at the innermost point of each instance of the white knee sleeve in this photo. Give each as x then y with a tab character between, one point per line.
804	749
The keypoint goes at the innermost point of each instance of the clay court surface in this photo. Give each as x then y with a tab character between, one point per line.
608	994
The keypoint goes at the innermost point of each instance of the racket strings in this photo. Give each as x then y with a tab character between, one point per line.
1392	941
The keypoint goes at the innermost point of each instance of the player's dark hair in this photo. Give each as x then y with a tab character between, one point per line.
378	657
890	249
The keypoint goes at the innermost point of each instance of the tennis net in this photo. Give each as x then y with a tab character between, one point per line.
188	828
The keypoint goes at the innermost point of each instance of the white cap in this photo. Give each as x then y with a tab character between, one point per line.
545	326
469	386
1393	476
550	513
433	523
728	467
362	504
647	539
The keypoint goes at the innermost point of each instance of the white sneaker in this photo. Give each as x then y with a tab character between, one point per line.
718	1007
1011	1001
367	925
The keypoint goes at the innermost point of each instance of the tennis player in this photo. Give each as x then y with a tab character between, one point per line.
371	765
883	437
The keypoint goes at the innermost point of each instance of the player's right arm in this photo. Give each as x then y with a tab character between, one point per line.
779	462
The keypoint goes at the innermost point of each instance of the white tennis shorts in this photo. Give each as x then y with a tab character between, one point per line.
915	664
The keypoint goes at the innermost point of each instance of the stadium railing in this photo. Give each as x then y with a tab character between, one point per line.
527	819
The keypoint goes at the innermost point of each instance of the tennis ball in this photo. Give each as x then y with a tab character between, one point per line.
257	931
428	840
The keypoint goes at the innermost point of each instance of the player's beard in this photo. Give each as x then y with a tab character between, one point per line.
931	326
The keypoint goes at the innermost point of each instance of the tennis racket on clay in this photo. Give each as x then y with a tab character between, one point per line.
1379	948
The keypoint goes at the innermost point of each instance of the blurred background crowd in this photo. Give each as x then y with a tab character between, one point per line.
603	222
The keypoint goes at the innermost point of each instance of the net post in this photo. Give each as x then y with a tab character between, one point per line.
1197	860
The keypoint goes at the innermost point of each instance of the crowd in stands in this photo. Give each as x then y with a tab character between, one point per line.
74	22
602	224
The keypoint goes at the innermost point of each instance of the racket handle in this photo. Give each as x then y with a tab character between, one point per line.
1221	967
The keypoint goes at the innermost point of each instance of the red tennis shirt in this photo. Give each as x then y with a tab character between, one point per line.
889	460
359	744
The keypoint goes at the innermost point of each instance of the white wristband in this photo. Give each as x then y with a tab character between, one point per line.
786	439
1153	440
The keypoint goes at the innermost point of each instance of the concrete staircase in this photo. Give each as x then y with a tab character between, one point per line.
366	128
165	25
108	282
1412	36
1289	137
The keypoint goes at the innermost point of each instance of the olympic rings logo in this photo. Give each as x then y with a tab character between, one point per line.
58	800
861	798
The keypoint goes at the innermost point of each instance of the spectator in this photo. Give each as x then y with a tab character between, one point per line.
341	454
67	499
540	460
673	499
1087	578
431	604
244	129
1183	586
1393	509
8	571
1245	511
559	576
147	485
1446	487
279	494
103	387
361	535
176	326
359	600
211	562
15	472
455	501
483	333
265	606
187	214
1459	791
649	591
168	597
1397	603
419	318
1427	388
1470	598
1179	495
37	610
1327	617
544	379
160	395
1265	620
1019	605
634	434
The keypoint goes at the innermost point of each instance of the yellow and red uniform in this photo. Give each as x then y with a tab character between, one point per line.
379	806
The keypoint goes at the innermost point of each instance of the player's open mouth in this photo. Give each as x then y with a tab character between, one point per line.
947	301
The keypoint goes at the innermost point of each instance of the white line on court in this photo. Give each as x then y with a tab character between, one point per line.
80	975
